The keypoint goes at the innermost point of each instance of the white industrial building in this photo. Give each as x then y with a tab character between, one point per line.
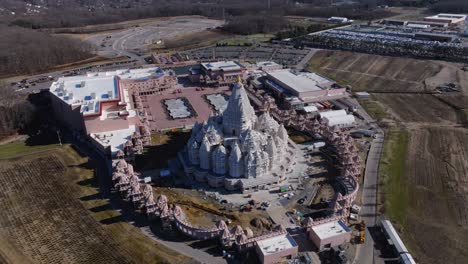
338	20
447	18
337	118
300	89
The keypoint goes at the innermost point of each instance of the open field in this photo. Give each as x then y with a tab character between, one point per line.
418	108
193	40
373	108
409	13
139	38
374	73
437	216
52	213
392	174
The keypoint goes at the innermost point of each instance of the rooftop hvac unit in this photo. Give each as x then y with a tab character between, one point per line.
91	107
109	93
70	95
83	83
93	95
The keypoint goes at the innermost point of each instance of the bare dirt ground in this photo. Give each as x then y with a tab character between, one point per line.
419	108
52	213
436	173
438	214
374	73
434	224
197	216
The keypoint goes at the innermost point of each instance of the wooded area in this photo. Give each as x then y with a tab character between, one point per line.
78	13
24	51
15	111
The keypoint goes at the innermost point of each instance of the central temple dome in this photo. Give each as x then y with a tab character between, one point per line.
239	114
237	144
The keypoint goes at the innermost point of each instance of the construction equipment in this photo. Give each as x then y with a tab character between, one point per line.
362	232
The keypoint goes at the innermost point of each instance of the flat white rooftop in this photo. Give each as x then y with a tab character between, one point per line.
276	244
88	91
330	229
300	81
332	113
221	65
454	18
114	139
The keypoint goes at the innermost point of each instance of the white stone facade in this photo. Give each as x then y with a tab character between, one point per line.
237	145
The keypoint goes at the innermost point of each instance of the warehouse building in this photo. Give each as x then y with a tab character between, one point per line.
337	118
447	18
276	249
330	234
300	89
338	20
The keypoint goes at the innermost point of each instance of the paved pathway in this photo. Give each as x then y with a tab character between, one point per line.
184	249
301	65
366	252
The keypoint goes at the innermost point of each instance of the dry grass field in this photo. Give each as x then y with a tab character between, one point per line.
437	214
52	213
424	170
374	73
418	108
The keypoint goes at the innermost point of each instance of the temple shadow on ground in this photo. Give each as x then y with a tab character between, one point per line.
156	156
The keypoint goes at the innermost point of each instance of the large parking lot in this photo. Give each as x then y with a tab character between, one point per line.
138	39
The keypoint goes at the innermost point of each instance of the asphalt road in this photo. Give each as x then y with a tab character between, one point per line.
366	253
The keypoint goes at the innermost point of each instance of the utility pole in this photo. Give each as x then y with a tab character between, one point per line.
59	139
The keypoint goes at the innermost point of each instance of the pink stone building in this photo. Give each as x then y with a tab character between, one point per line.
276	249
215	74
103	105
329	234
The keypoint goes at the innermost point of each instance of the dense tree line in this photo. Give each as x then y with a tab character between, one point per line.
69	13
28	51
297	31
451	6
251	24
15	111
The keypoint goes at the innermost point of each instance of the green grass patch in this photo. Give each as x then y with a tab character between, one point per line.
392	174
18	148
246	40
373	108
465	116
298	137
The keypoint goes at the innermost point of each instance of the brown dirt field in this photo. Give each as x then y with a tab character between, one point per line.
51	213
374	73
194	216
418	108
438	216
